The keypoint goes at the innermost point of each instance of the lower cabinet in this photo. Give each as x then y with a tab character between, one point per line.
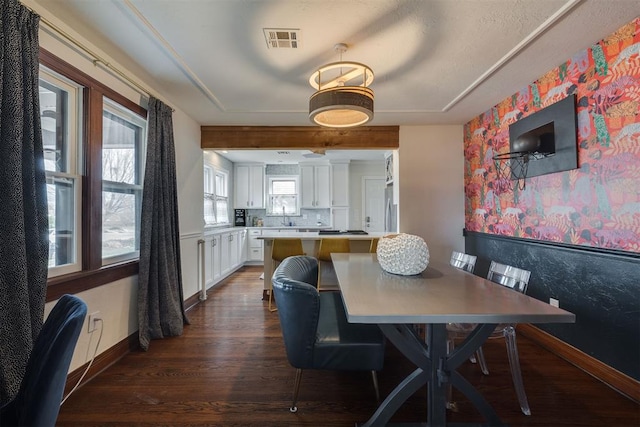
212	269
255	246
223	253
215	260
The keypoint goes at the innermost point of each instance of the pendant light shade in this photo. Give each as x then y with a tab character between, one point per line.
343	98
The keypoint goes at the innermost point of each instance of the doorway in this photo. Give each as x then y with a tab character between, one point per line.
373	203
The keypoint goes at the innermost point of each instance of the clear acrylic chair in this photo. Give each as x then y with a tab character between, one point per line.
518	280
463	261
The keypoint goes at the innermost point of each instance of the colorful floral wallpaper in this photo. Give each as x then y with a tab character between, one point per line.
597	204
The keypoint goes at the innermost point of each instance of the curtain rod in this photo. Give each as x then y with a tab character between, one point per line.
97	59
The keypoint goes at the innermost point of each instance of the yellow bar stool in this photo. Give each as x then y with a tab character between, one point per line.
327	247
283	248
374	245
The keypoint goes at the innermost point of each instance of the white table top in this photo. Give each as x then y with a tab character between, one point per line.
441	294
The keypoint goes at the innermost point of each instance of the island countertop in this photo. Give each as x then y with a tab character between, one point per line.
314	235
310	244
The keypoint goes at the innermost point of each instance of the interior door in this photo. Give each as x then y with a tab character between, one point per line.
373	202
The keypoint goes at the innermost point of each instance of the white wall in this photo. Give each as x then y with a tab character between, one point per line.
431	176
117	301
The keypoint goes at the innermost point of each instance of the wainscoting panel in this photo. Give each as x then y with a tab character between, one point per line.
602	288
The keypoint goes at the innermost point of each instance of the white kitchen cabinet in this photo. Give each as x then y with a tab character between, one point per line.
255	249
249	186
340	184
215	258
212	270
208	261
225	255
315	186
340	218
233	250
242	246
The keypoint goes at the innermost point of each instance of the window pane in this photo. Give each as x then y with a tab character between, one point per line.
222	212
284	204
120	219
120	149
123	135
221	184
283	187
53	118
209	211
61	209
208	188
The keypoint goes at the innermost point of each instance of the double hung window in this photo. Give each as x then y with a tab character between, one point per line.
60	113
283	196
216	196
123	142
94	143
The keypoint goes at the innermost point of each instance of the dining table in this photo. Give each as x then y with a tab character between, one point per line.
440	295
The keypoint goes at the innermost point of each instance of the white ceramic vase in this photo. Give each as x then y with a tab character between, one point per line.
404	254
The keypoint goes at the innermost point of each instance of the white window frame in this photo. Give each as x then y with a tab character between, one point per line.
271	179
73	161
121	111
211	172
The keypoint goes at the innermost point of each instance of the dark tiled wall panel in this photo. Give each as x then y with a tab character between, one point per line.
602	288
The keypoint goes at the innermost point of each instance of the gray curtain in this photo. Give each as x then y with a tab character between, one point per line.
24	241
160	299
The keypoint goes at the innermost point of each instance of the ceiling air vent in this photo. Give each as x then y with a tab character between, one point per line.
282	38
283	152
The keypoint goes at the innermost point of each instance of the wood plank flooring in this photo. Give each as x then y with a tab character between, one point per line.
229	369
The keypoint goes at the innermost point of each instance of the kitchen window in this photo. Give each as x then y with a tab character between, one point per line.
216	196
283	197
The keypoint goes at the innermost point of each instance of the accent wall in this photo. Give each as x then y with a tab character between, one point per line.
596	205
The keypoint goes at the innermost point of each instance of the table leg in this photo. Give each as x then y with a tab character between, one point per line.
435	368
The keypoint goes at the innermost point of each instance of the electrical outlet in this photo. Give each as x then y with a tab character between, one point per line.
554	302
304	216
318	217
93	321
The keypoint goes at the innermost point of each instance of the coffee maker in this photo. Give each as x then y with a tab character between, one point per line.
240	218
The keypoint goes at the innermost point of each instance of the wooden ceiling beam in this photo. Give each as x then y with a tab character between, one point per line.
298	138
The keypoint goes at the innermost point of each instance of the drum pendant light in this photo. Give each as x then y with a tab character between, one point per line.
343	98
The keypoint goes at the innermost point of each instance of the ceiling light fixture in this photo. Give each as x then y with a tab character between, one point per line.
343	98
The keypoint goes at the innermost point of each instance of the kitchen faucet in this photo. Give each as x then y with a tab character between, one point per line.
284	217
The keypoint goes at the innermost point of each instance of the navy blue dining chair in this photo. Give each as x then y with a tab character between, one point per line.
37	403
315	328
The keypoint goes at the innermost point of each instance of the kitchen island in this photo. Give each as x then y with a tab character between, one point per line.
359	242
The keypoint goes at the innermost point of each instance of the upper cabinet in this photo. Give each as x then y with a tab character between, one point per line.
315	183
340	184
249	186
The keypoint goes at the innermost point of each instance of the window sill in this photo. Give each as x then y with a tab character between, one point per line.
74	283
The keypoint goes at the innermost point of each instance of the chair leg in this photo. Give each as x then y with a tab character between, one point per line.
450	404
374	376
482	361
319	270
272	306
516	374
296	389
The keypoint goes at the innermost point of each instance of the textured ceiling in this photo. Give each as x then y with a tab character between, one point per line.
435	61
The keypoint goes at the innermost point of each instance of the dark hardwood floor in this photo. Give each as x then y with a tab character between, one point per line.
229	369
